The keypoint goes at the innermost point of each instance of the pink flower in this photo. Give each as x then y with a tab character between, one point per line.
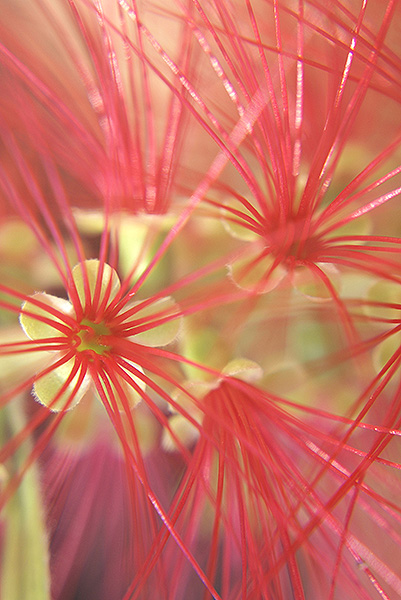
199	300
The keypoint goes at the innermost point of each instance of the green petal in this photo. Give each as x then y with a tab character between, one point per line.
310	285
183	430
132	396
143	228
244	369
159	335
47	387
257	275
286	377
236	225
11	365
33	326
110	283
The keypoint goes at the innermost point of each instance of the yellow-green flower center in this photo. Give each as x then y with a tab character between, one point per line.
92	337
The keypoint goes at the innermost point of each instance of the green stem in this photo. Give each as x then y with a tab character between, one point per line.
25	557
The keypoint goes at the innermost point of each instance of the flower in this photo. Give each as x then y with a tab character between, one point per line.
91	336
272	501
200	271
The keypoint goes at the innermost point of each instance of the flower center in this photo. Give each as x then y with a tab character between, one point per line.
92	337
50	320
293	240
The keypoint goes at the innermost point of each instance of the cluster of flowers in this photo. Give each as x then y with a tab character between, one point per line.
200	308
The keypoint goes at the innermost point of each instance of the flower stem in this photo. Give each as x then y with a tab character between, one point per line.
25	571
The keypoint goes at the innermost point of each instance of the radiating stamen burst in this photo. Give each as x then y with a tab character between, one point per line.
82	343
